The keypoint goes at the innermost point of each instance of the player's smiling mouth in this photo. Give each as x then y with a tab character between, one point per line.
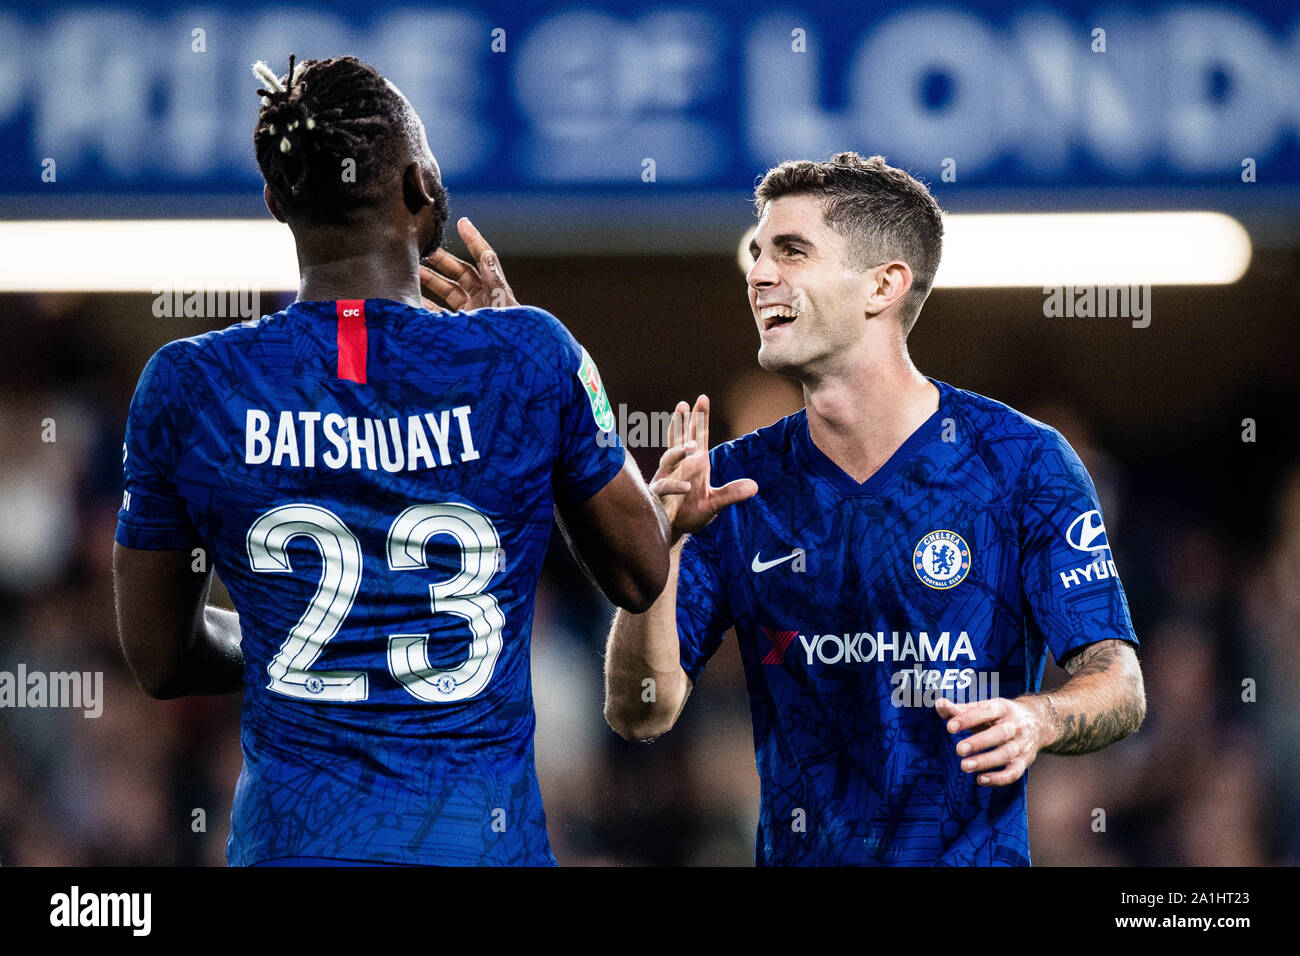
773	316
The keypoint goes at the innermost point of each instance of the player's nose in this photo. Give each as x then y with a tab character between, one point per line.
762	274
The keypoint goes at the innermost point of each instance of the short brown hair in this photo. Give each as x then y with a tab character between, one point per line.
883	212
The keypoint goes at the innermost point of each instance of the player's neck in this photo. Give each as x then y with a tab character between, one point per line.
859	419
353	265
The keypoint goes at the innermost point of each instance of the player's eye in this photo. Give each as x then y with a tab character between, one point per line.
793	251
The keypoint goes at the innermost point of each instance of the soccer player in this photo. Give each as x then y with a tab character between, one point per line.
375	484
896	559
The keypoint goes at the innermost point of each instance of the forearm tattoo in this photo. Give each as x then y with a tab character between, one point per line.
1093	659
1083	733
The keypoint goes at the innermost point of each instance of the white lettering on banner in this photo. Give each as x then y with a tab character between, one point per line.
922	84
594	87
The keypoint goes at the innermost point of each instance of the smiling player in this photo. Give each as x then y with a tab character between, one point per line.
896	559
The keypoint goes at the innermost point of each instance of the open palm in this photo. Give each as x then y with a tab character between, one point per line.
682	481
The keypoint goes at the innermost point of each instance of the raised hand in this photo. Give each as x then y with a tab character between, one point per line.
462	286
682	481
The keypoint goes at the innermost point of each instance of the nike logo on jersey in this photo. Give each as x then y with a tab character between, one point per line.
759	565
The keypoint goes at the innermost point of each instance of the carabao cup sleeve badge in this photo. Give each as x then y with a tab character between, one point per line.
601	410
941	560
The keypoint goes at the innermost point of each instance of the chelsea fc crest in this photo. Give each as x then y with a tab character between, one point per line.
941	560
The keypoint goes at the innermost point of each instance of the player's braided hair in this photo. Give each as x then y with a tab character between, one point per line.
883	212
315	118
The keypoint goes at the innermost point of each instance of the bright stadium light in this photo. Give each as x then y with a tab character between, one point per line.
980	251
1086	249
146	255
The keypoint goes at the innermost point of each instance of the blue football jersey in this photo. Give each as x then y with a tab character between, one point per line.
948	573
375	483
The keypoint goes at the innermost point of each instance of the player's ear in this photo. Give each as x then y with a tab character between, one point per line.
890	285
415	191
272	206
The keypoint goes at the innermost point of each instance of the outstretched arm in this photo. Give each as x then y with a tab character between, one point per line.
645	685
619	537
1103	701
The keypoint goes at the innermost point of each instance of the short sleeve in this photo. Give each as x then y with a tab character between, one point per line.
703	611
590	451
153	516
1070	581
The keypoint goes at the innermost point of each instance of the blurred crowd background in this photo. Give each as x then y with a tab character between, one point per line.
1205	528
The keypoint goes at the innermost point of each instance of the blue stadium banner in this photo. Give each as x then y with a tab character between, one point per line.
138	100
